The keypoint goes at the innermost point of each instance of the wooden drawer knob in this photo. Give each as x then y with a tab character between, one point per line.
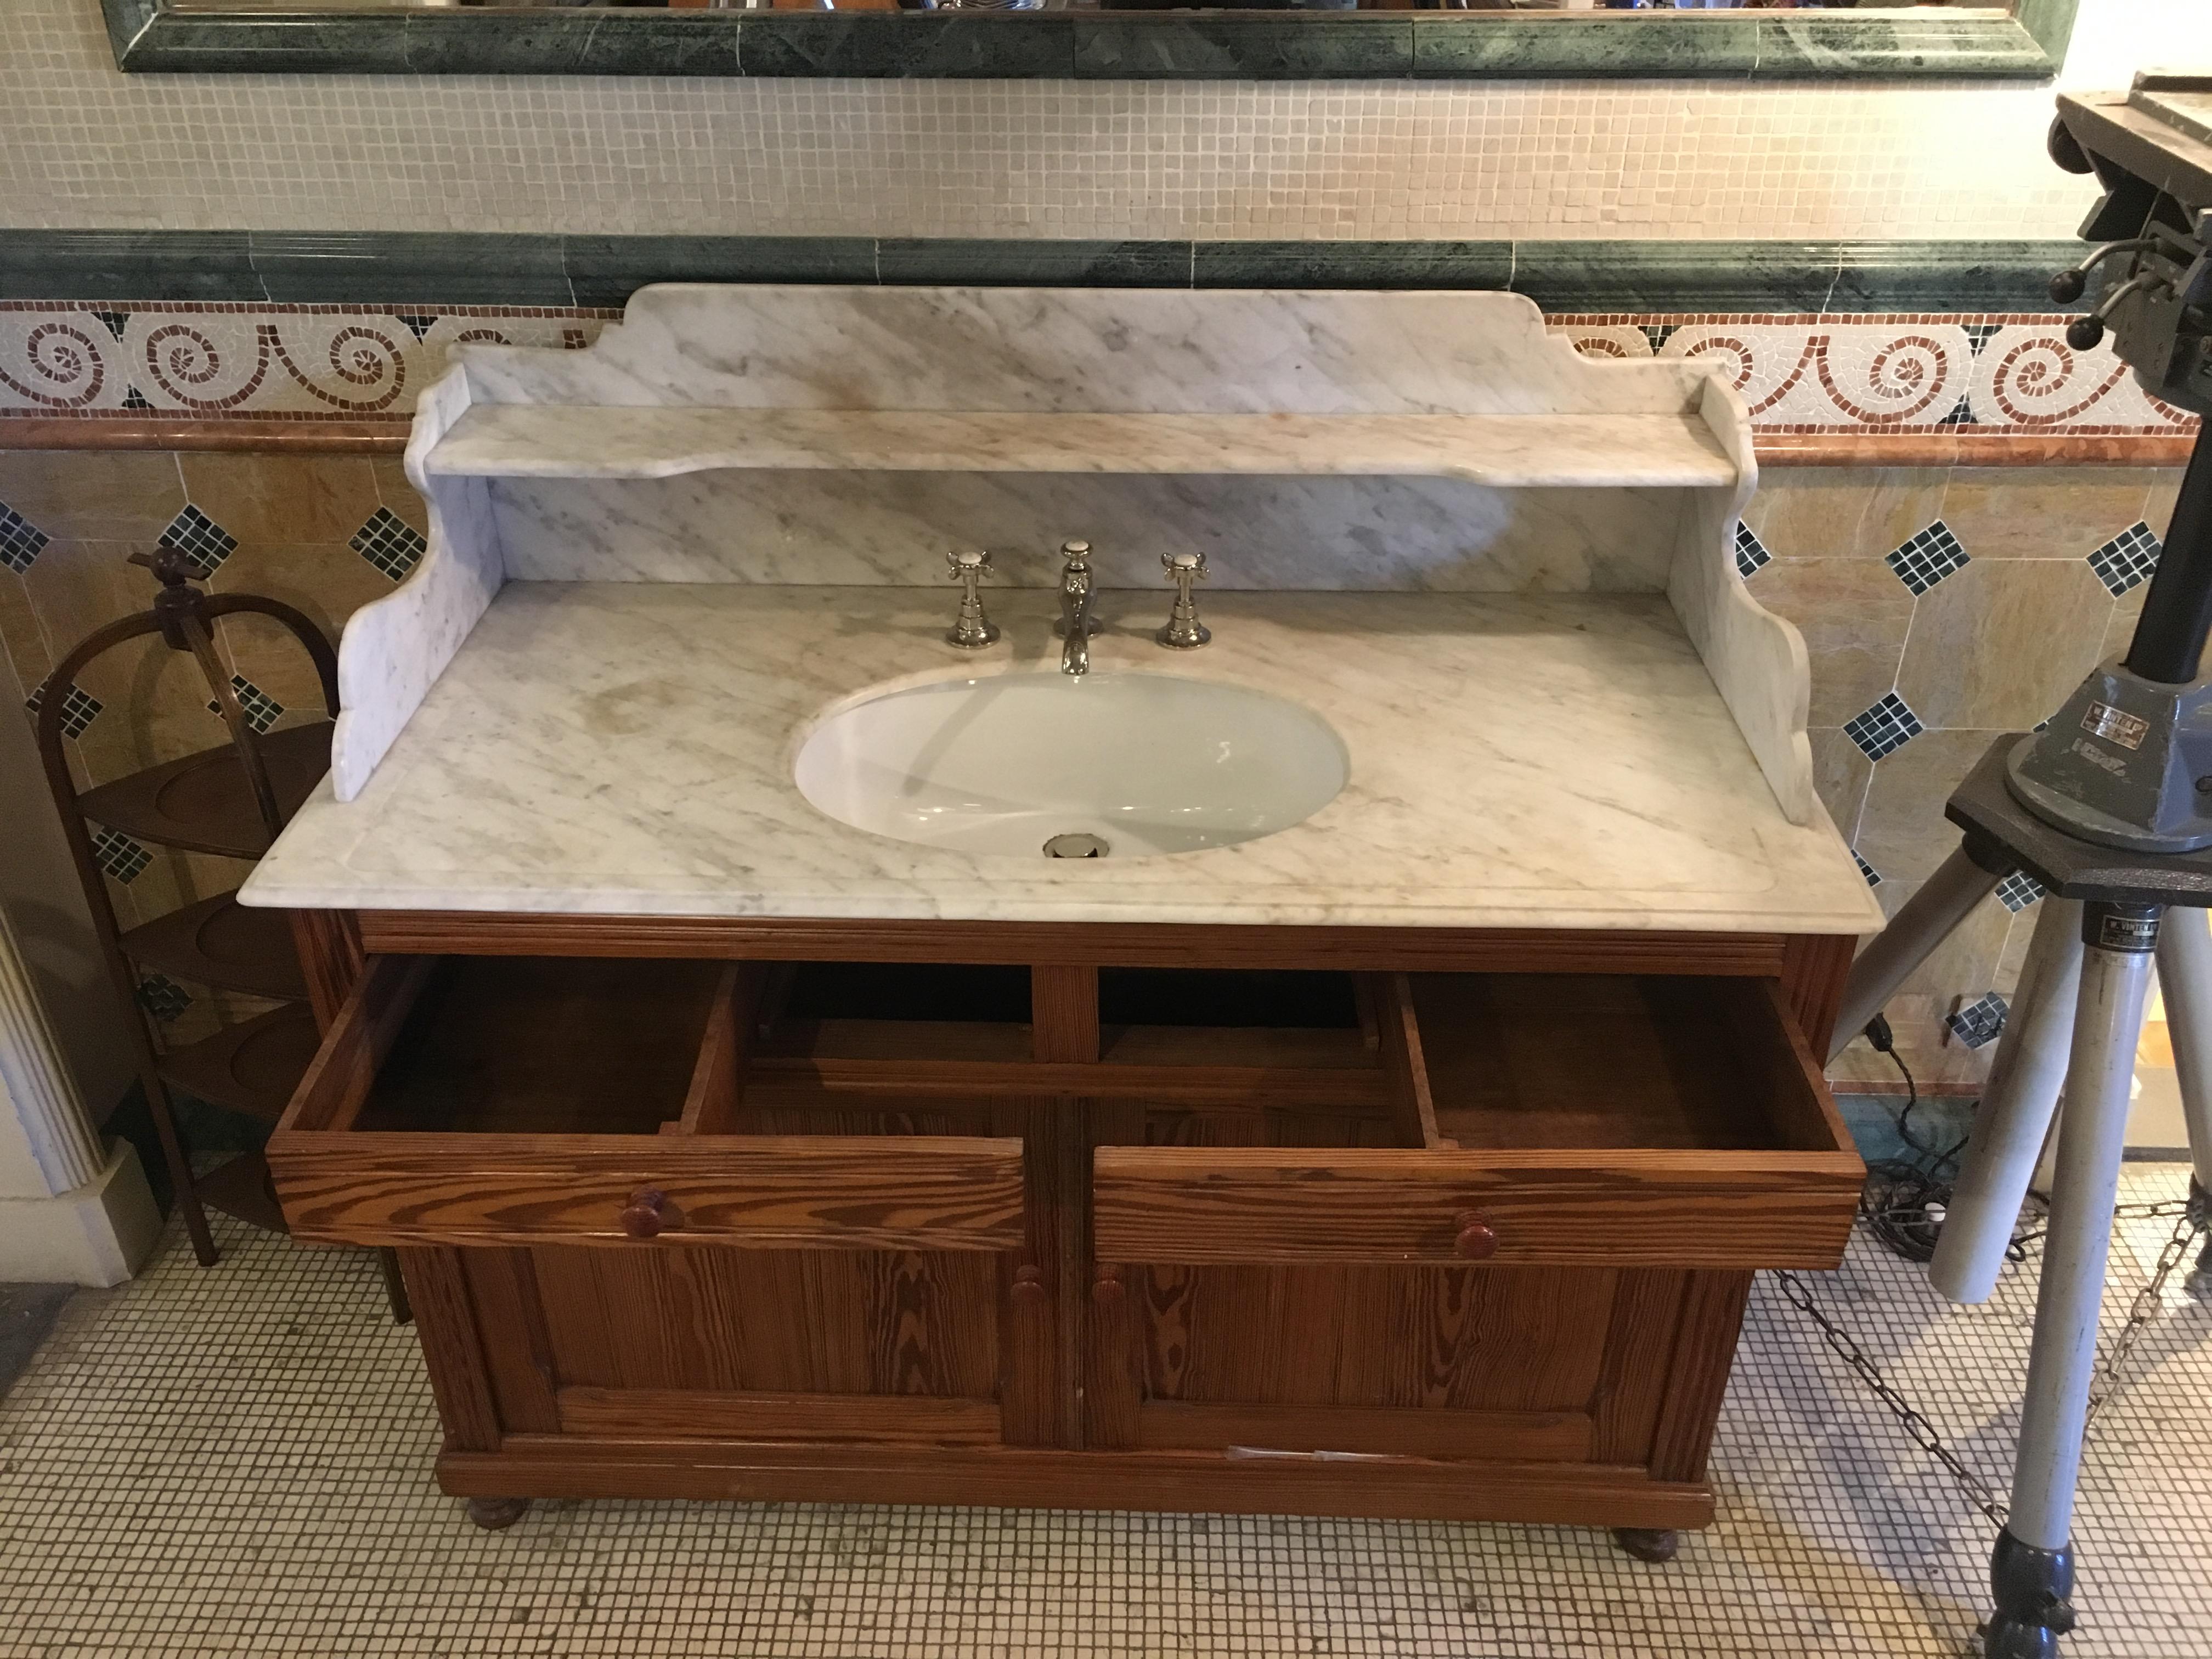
649	1213
1477	1240
1107	1289
1029	1287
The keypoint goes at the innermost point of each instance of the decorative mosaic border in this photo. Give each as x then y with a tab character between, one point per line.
258	38
2007	374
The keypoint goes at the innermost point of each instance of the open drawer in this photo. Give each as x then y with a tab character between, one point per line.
468	1100
1549	1121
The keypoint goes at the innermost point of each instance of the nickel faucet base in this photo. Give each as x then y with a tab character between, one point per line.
1184	631
1077	624
971	629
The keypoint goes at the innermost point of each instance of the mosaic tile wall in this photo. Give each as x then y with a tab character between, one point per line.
1942	607
82	145
1994	373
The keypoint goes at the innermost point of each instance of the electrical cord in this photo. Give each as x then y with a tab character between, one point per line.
1904	1200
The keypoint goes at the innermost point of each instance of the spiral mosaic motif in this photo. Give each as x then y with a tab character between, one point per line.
59	364
207	364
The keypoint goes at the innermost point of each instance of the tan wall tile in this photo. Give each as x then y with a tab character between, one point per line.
1840	772
111	495
1998	644
393	490
2021	513
1903	832
283	498
1854	614
21	637
2164	490
1845	512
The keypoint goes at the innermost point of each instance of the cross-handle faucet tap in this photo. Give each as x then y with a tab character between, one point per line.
1077	624
971	629
1183	632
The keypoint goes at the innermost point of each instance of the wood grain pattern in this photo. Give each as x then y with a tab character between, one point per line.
1094	945
445	1322
1194	1084
939	1193
1114	1389
718	1081
1398	1040
339	1080
1705	1351
1370	1430
517	1347
705	1415
1625	1208
1411	1488
1064	1012
1458	1339
329	946
1639	1349
1814	968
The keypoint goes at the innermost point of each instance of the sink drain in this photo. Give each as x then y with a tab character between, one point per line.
1077	846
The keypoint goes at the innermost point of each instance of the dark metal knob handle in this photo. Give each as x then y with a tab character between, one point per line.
2085	333
2067	286
1477	1240
649	1213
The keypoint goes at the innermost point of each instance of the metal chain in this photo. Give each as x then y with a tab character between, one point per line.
2192	1218
1922	1431
2145	1308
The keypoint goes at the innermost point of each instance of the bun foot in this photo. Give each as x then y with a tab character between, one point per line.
1646	1544
497	1514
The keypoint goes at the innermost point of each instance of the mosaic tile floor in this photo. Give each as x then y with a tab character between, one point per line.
237	1462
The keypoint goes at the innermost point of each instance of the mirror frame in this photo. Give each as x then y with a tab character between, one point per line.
1089	45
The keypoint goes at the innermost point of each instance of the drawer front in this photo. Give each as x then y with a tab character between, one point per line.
1627	1208
943	1193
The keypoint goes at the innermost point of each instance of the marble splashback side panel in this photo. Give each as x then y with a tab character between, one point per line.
895	528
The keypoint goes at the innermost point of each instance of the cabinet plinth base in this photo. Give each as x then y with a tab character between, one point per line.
1413	1489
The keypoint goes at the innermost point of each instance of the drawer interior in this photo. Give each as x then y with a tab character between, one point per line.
544	1045
1606	1061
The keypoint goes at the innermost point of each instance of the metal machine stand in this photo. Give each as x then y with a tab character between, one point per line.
2110	807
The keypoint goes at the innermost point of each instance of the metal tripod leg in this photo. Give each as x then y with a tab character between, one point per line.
2015	1115
1960	881
2184	974
2032	1569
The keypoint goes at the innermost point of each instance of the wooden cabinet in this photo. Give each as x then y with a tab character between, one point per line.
1459	1242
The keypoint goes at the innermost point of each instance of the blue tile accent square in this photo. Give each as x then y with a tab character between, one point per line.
2018	891
390	543
200	539
21	541
79	708
2127	559
1873	875
1750	552
162	997
1884	727
119	855
1929	558
261	710
1979	1022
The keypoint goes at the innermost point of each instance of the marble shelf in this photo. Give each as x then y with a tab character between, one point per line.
1504	451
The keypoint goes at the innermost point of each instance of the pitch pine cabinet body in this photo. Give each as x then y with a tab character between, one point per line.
1390	1222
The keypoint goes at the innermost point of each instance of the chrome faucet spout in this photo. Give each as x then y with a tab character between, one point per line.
1075	623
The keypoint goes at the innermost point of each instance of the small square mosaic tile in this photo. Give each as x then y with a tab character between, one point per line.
261	710
2018	890
1884	728
119	855
389	543
1980	1021
1750	552
79	708
1929	558
2127	559
21	541
237	1462
201	539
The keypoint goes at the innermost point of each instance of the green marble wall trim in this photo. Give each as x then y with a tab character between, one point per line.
1091	45
439	268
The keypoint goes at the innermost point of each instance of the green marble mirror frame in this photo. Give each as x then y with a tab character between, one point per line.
150	37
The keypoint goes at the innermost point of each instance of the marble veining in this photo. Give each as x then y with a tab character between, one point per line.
1516	761
1043	351
1507	451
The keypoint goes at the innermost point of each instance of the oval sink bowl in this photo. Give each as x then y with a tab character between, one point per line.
1107	765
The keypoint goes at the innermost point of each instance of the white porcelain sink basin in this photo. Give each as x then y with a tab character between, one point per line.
1112	765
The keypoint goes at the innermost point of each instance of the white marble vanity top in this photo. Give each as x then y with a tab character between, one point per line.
1516	761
